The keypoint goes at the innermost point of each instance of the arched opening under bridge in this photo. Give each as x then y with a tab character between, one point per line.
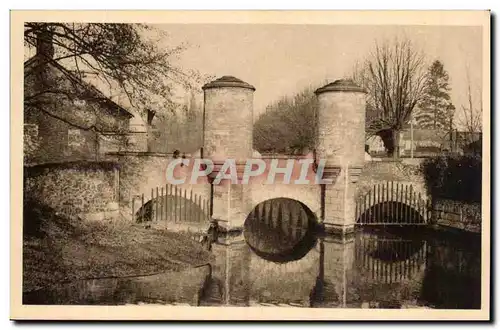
281	230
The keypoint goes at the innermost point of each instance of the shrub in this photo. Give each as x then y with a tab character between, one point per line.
453	177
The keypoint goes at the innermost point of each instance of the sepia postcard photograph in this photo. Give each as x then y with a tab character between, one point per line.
250	165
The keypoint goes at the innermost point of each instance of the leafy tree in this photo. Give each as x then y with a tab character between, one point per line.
181	130
126	58
288	125
394	78
435	109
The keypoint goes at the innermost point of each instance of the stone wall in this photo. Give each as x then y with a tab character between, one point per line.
457	214
89	190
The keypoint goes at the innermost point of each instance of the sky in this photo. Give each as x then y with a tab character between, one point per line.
282	59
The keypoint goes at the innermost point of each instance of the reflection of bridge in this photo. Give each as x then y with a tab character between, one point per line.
333	273
390	260
277	227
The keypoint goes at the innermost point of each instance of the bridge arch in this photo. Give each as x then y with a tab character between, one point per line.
172	203
280	230
390	202
308	195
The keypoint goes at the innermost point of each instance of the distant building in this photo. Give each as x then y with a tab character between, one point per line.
429	142
65	118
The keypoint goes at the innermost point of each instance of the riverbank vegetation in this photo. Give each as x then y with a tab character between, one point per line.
57	249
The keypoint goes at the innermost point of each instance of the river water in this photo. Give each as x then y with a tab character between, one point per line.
282	260
374	268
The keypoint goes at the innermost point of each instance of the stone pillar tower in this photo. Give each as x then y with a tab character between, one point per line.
341	143
228	126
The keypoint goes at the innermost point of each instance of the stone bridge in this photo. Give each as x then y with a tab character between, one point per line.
228	129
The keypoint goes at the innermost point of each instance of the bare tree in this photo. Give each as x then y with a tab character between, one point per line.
394	76
127	58
472	116
471	121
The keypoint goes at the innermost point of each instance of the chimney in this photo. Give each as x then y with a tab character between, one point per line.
44	45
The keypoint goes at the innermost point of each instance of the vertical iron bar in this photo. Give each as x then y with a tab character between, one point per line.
398	201
191	208
156	205
175	205
142	208
152	205
185	207
406	199
369	211
379	203
166	202
363	221
387	199
162	202
392	199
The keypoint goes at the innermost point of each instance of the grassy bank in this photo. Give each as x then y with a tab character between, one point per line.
57	249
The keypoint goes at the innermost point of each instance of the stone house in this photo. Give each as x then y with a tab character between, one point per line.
70	129
65	118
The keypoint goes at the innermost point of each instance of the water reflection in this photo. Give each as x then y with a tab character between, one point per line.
280	230
282	260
